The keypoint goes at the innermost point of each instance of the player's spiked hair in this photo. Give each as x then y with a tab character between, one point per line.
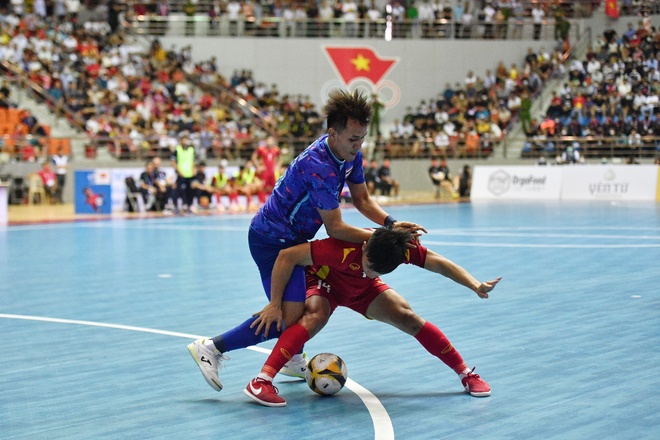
343	105
387	249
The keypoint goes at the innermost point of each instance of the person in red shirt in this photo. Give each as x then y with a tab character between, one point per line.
549	125
579	101
49	179
268	159
88	47
29	152
341	273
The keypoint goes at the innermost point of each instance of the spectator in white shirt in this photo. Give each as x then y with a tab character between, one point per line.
624	87
72	8
349	14
537	17
441	141
18	6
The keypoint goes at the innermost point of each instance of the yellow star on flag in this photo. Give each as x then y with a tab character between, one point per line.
361	63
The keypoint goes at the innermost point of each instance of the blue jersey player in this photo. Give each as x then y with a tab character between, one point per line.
305	198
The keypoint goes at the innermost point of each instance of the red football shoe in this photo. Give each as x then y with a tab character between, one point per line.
263	392
475	385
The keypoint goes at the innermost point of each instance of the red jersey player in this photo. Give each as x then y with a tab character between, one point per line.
346	274
268	159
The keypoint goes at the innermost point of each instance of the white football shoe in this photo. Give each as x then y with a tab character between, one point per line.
296	367
208	362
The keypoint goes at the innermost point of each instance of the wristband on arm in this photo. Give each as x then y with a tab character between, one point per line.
389	222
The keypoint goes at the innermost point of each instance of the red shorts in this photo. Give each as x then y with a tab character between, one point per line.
358	302
268	179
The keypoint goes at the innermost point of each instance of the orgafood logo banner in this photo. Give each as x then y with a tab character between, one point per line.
516	183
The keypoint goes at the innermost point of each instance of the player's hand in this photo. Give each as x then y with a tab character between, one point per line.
415	229
266	317
486	287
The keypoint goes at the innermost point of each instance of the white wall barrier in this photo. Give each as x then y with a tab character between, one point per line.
4	197
579	182
516	183
610	182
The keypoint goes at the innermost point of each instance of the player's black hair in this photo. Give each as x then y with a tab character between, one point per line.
342	106
387	249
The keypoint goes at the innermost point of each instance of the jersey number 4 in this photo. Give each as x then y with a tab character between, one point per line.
322	285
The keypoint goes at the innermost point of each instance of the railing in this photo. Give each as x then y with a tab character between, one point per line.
571	8
594	147
237	149
651	7
34	148
459	146
201	24
60	109
226	97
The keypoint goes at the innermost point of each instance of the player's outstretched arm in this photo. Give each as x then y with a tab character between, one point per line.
439	264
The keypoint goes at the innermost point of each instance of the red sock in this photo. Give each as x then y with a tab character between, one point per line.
233	198
290	342
438	345
262	197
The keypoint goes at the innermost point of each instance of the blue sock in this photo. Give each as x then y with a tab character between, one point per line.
243	336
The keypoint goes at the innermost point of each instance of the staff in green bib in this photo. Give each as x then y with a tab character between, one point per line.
183	161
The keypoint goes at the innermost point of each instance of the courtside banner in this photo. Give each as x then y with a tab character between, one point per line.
92	192
516	183
610	182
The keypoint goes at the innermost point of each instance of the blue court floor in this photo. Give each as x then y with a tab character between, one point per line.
95	318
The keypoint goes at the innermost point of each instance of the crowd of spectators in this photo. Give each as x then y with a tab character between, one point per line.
361	18
611	97
469	119
139	104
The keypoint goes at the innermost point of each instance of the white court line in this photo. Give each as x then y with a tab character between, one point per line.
460	232
542	246
542	235
383	429
240	228
125	225
547	228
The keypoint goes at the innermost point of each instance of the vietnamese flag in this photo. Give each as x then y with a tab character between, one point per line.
612	9
359	62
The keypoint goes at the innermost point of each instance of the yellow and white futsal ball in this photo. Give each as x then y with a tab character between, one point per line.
326	374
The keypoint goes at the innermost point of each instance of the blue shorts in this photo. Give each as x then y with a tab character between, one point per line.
264	252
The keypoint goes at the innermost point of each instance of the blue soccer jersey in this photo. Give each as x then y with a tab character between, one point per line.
313	181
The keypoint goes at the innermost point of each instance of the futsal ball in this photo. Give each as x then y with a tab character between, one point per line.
326	374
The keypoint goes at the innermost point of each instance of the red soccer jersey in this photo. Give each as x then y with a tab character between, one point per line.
48	177
339	263
268	156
